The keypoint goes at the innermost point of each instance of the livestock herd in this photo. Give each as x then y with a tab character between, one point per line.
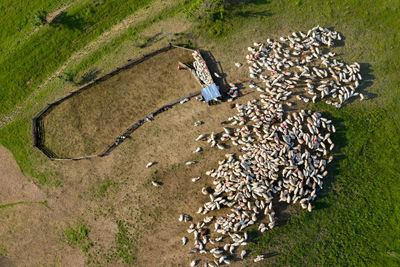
282	157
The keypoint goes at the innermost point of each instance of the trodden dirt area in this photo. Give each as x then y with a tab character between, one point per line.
103	191
14	185
88	122
117	189
27	227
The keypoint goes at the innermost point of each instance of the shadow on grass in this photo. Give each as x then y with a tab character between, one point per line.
254	14
148	41
367	81
340	141
239	12
89	76
223	84
69	21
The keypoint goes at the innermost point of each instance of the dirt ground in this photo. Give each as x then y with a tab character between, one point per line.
29	220
88	122
15	187
151	212
103	191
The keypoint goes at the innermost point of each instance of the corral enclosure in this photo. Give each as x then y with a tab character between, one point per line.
89	121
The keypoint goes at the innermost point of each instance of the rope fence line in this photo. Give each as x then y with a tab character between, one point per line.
38	125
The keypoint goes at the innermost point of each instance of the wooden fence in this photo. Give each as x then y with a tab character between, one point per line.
38	133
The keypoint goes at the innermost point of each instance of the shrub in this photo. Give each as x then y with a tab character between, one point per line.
39	18
211	15
67	76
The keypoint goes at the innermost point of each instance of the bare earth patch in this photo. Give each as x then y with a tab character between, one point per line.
88	122
14	185
30	231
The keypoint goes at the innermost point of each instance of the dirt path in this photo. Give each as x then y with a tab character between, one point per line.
14	185
51	16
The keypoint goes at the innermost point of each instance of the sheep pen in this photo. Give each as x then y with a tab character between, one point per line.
87	122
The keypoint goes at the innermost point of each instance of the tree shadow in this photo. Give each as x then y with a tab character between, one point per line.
237	10
251	14
89	76
69	21
150	40
182	39
246	2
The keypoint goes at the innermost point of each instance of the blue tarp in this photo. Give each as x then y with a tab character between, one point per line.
210	92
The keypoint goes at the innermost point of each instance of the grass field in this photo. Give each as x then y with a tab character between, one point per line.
356	219
22	69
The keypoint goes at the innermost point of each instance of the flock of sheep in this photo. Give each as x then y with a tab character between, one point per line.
283	156
283	160
201	70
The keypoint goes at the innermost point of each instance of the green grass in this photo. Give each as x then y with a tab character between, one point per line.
16	136
32	61
78	236
104	187
125	244
359	224
3	251
123	250
131	34
356	225
16	20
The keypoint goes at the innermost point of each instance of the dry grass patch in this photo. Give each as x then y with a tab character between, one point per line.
87	122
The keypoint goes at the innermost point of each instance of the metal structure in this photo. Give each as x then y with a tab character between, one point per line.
210	92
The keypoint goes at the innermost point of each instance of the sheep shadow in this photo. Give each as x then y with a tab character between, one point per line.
367	81
340	140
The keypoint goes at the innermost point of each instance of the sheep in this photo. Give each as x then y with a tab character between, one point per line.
148	165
